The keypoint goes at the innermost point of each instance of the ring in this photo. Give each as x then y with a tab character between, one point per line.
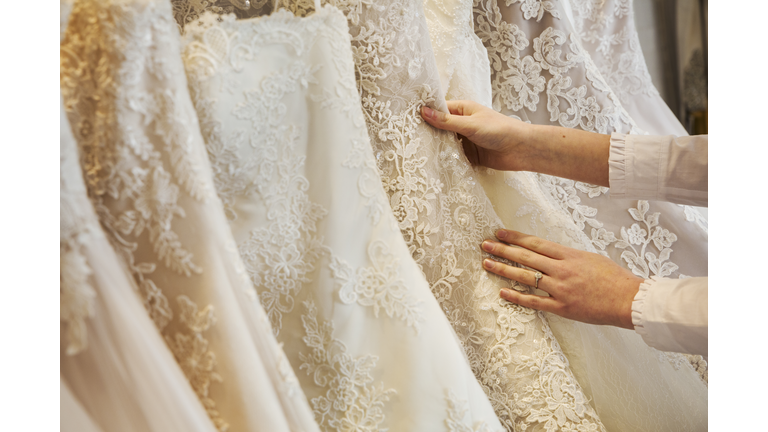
538	276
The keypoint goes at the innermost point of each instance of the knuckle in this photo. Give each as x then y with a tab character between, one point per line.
533	302
536	243
524	255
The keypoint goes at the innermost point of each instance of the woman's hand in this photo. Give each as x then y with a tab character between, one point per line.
496	141
490	139
582	286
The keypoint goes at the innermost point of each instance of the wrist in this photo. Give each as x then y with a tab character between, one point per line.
632	287
526	140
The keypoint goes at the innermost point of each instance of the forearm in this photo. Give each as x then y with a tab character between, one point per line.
569	153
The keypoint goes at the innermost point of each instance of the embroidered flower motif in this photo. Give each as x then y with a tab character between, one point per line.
379	285
635	234
662	238
352	402
465	218
191	351
526	82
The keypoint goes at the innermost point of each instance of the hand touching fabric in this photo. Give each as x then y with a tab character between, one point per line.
489	138
582	286
496	141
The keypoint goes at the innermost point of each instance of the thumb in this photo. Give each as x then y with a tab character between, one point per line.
441	120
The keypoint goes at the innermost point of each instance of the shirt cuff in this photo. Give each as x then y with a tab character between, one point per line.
617	165
638	305
671	314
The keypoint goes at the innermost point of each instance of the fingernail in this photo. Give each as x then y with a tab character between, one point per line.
488	246
429	112
505	292
488	263
502	234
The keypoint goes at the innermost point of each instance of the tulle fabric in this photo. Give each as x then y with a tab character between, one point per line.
73	416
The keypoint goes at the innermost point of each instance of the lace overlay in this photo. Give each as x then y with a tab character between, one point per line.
134	190
443	215
545	57
148	178
286	136
608	31
353	402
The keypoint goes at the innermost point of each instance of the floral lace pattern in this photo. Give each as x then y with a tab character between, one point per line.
585	94
432	192
352	402
191	351
318	182
379	286
112	74
457	410
616	53
554	66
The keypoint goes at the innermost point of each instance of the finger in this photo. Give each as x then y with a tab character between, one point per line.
533	243
519	255
460	107
524	276
449	122
546	304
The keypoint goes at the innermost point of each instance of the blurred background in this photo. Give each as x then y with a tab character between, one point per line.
673	36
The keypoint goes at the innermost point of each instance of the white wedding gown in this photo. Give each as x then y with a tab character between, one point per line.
116	372
534	52
444	215
286	136
147	176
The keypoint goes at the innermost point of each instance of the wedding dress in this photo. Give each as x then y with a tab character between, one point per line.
665	392
116	372
444	215
148	179
113	363
293	164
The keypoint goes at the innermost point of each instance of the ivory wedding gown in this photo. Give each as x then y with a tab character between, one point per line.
293	164
396	76
116	372
444	215
533	49
149	181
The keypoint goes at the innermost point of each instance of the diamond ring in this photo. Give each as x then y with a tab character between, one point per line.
538	276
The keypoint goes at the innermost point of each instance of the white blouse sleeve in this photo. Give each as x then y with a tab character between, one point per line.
671	314
661	168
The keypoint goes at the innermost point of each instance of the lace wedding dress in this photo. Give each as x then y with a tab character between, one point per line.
532	50
293	164
116	372
149	181
444	215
